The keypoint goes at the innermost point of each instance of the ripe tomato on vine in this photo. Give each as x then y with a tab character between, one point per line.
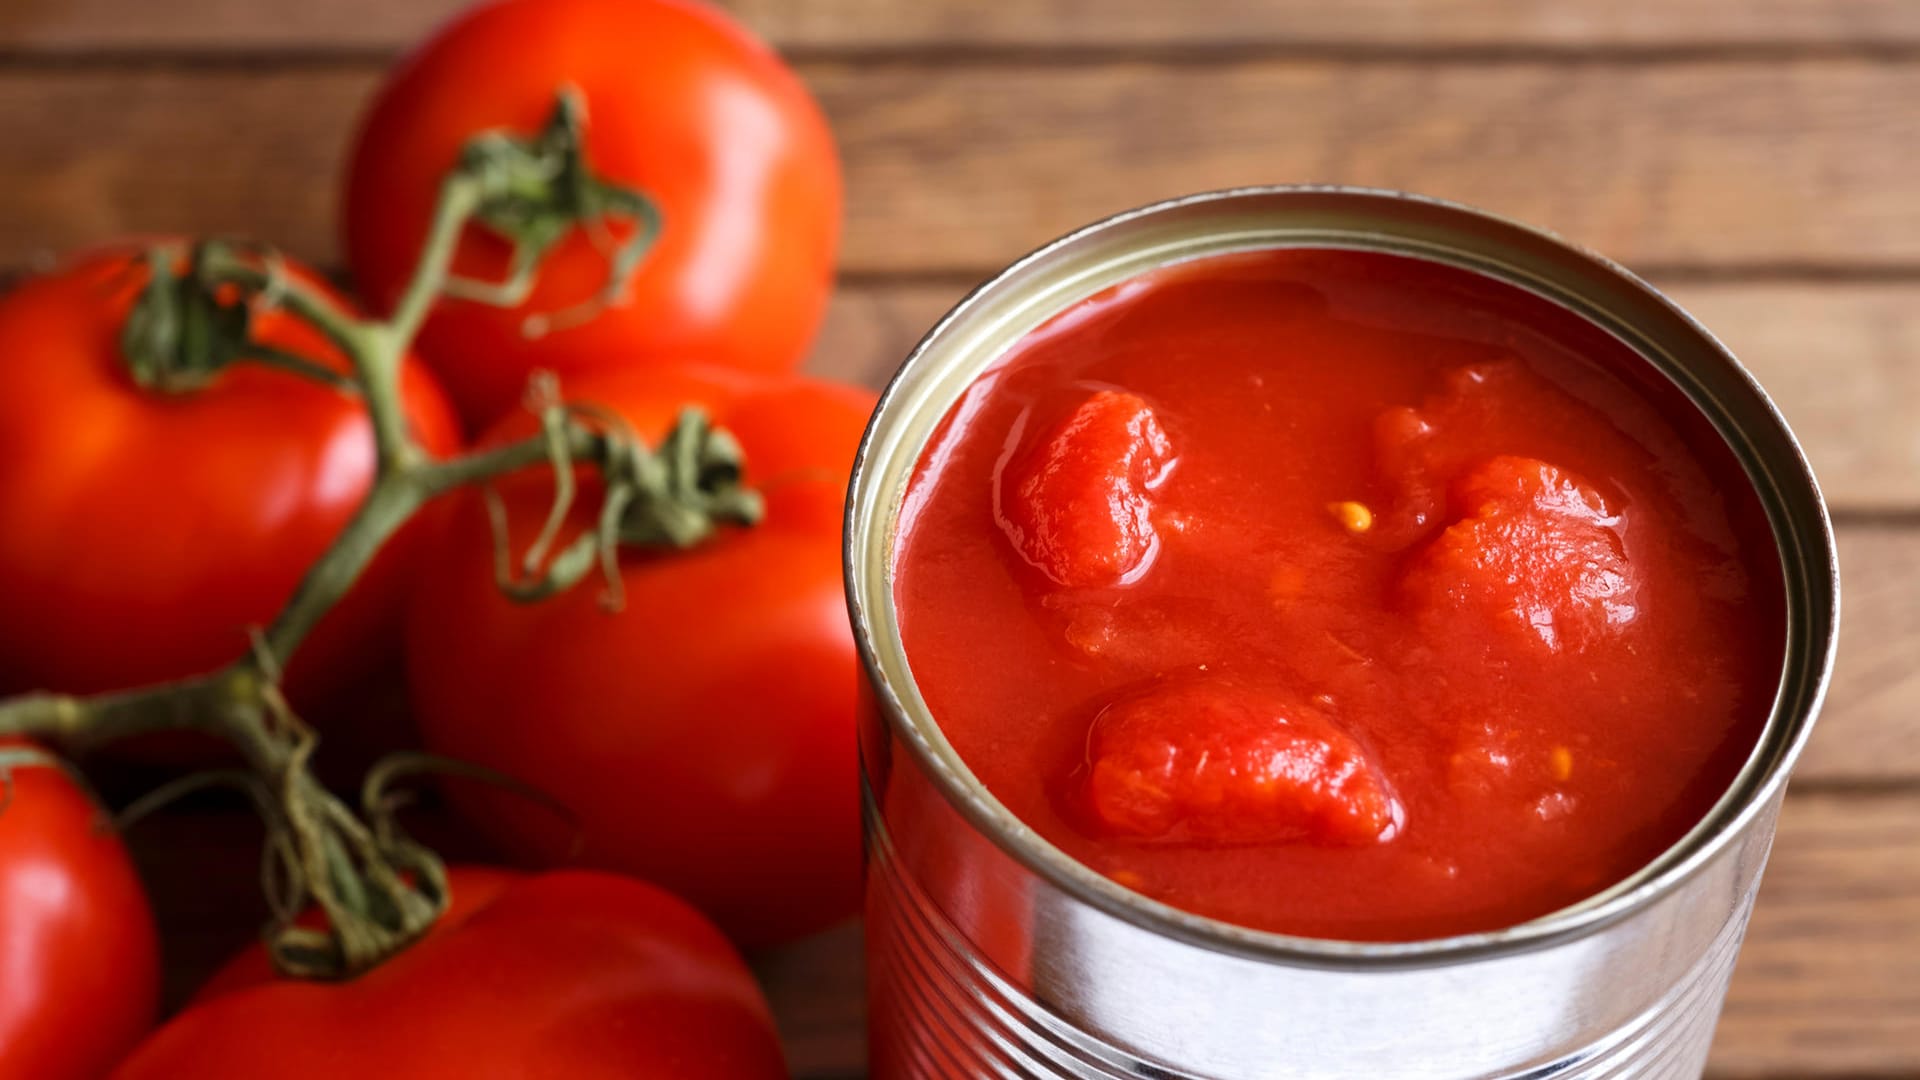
710	127
701	734
145	529
574	974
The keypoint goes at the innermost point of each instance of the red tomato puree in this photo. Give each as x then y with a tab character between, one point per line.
1340	594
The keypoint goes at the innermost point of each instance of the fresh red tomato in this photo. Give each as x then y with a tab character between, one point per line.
683	104
703	734
575	974
143	532
77	946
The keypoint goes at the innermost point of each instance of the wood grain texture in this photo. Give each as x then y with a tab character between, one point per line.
1723	165
1839	360
1828	982
1843	363
1700	164
1870	731
77	26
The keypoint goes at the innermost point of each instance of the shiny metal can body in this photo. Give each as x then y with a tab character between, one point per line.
992	954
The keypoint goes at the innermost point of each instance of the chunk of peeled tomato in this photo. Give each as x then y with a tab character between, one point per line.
1075	504
1535	551
1209	761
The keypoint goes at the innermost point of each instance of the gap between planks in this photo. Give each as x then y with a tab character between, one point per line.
1050	25
1842	359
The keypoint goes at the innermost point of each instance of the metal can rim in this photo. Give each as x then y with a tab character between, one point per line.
1759	779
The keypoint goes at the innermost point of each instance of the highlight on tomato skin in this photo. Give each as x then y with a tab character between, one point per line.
1205	759
1076	505
80	951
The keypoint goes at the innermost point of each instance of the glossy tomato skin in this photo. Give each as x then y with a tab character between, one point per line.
143	532
681	103
81	960
703	735
574	974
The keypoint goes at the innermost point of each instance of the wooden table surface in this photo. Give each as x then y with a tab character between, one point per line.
1758	158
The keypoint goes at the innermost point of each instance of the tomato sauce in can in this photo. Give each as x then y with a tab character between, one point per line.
1323	632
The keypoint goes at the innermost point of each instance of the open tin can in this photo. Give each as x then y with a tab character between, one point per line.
993	954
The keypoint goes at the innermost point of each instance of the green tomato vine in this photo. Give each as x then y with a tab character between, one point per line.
378	889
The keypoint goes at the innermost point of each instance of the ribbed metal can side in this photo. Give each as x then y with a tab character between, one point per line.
937	1009
941	1009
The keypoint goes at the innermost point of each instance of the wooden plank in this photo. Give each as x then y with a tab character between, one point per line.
1841	360
78	26
1828	983
1389	23
1870	731
99	155
1843	363
1700	164
1723	164
818	991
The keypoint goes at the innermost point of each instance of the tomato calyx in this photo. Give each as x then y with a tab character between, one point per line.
534	191
187	325
674	496
381	889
